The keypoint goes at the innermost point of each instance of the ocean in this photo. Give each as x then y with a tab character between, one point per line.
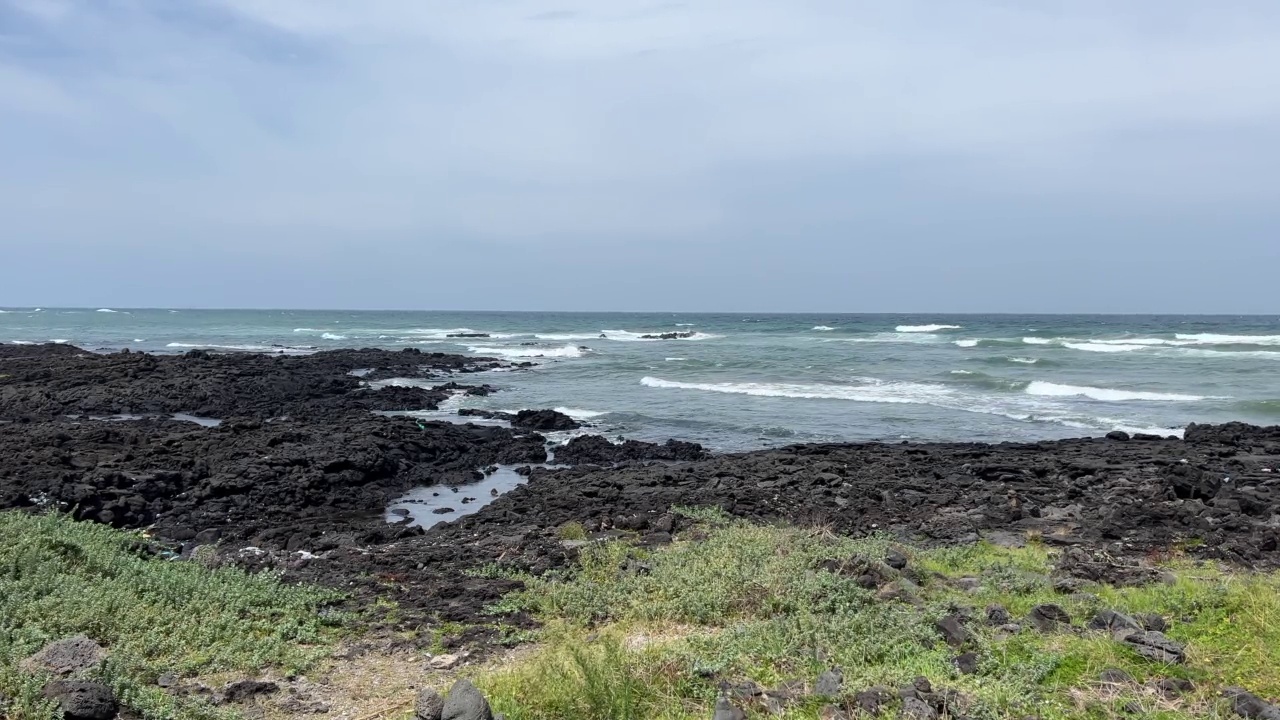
737	382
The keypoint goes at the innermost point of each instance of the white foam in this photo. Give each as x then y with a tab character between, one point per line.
59	341
684	324
1215	339
878	392
823	328
577	414
106	310
893	337
245	348
307	330
1101	348
925	328
1038	341
1024	361
568	351
22	342
1218	354
961	372
332	336
1048	389
139	339
966	343
676	359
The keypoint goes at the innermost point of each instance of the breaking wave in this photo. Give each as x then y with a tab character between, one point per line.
568	351
333	336
1049	389
925	328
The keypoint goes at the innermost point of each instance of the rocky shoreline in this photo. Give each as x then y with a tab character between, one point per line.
300	466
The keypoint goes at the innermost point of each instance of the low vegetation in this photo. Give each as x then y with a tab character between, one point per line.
638	634
60	578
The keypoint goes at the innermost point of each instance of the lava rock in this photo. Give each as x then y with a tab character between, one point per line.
83	700
967	663
1155	646
465	702
1115	676
1047	618
1246	704
953	631
429	705
830	683
726	710
67	657
1114	622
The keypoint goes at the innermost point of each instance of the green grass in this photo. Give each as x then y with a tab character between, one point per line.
633	634
60	578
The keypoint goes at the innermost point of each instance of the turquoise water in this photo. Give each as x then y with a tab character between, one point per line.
746	381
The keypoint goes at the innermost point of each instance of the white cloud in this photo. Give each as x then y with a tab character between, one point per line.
531	118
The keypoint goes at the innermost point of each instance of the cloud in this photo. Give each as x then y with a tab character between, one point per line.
546	123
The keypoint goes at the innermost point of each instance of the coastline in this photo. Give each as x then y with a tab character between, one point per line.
297	475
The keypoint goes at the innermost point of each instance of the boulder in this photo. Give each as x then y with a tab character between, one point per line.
998	615
1155	646
465	703
1114	622
953	631
83	700
67	657
1047	618
967	663
1246	704
429	706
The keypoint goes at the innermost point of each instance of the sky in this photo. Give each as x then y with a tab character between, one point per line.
749	155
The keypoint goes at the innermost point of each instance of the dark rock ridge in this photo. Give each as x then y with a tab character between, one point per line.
596	450
668	336
540	420
47	381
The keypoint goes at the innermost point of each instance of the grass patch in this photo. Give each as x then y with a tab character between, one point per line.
59	578
634	634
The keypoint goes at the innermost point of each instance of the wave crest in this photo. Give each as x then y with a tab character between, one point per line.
925	328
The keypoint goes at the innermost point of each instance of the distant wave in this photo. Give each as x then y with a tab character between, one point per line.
1021	407
1214	339
823	328
307	330
676	359
59	341
1023	360
966	343
22	342
246	348
925	328
107	310
568	351
332	336
622	336
1102	347
1038	341
1217	354
1049	389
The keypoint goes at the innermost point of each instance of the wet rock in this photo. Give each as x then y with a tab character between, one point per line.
1048	617
953	631
967	663
429	705
83	700
1246	704
1118	435
726	710
465	702
1155	646
829	684
67	657
545	421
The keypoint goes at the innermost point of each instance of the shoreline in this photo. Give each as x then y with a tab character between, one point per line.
297	476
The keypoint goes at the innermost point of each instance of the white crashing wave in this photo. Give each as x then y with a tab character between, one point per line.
1049	389
1214	339
59	341
568	351
22	342
1103	347
925	328
893	337
245	348
106	310
622	336
1038	341
1054	407
966	343
675	359
1219	354
333	336
577	414
823	328
1023	360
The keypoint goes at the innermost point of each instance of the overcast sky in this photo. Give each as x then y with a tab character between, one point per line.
755	155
